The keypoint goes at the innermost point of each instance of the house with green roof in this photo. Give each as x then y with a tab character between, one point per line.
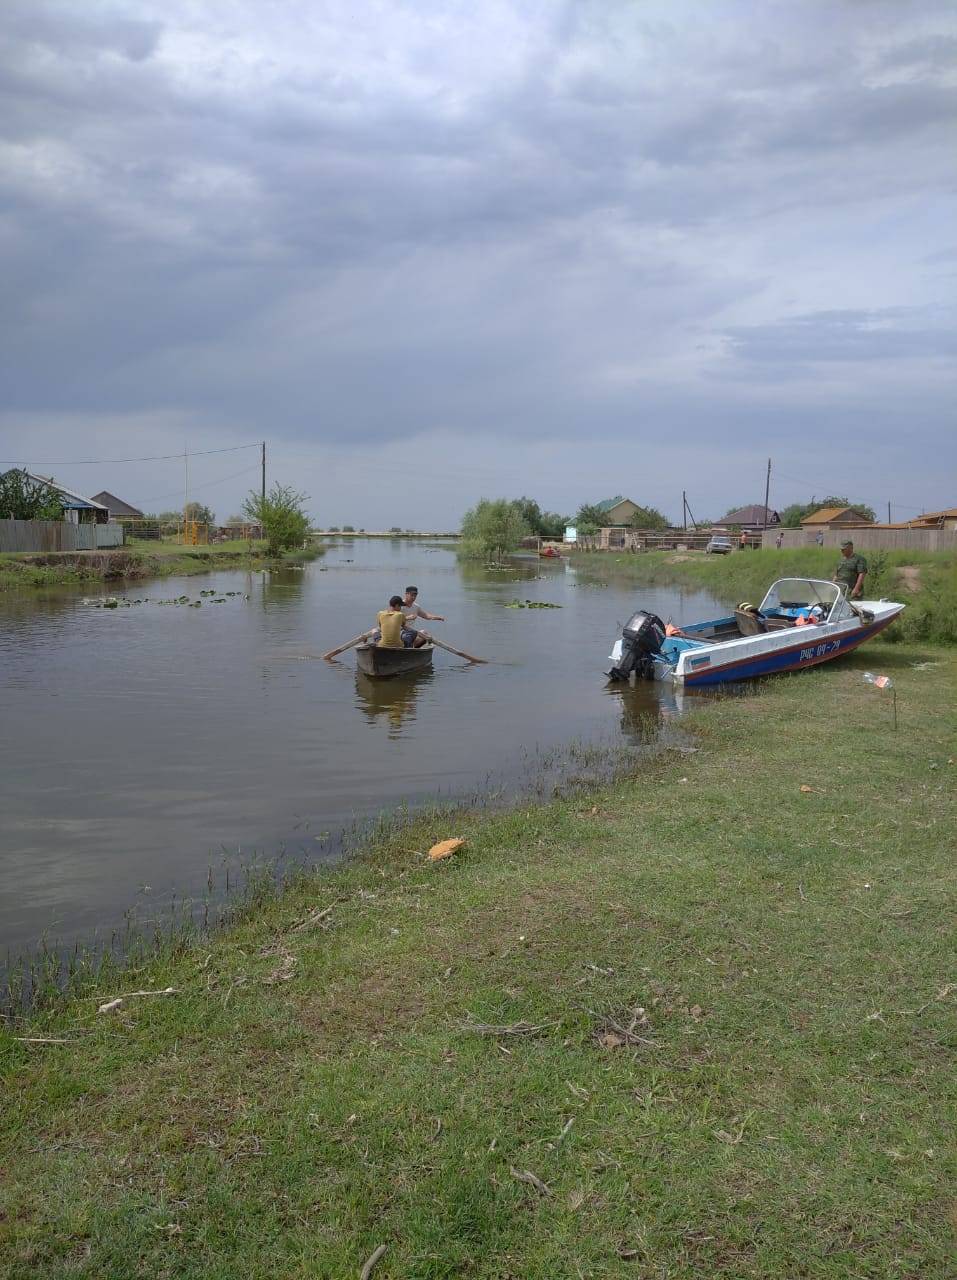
619	510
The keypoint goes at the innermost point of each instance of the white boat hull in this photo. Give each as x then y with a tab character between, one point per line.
769	653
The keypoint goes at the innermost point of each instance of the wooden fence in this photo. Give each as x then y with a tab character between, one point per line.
866	539
57	535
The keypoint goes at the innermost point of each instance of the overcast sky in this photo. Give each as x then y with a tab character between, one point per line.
437	251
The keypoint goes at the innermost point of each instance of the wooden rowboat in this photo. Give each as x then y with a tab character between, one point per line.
374	660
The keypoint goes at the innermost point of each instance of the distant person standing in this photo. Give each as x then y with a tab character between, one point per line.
779	541
413	611
743	541
819	539
850	571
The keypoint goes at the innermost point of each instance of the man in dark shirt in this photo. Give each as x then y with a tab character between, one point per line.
850	571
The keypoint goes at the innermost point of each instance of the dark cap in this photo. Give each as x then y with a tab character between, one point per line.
848	542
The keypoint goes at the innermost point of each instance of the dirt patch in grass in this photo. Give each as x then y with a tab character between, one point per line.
909	577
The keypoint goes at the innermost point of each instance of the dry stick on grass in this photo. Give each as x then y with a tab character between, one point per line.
42	1040
165	991
117	1001
314	918
511	1029
526	1175
370	1262
627	1033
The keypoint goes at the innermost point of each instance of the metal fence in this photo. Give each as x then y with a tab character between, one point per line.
190	533
640	540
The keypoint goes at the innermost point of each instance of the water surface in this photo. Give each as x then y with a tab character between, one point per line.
142	745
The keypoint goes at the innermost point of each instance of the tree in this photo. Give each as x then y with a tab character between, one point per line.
546	524
792	516
491	529
281	516
22	498
237	520
649	518
197	511
589	518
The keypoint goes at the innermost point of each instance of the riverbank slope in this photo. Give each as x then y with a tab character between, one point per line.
698	1023
135	563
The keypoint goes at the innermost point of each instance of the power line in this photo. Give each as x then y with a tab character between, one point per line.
105	462
823	488
807	483
207	484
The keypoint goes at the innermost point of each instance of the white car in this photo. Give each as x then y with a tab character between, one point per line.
718	546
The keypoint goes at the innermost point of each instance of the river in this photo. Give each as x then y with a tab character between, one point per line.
144	745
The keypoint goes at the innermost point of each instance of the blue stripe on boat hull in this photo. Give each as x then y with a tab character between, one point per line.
790	659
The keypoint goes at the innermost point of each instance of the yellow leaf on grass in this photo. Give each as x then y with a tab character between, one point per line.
805	788
445	849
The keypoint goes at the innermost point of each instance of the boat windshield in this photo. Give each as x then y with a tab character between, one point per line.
800	593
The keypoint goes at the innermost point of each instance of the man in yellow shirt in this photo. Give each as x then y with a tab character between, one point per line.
392	622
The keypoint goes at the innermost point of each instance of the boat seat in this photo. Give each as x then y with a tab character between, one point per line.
750	622
778	624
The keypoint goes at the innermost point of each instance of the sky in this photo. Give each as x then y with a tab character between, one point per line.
433	252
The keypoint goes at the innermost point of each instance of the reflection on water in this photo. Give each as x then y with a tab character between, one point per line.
653	704
645	708
391	701
140	745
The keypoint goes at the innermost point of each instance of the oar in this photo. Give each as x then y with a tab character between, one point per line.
458	652
348	645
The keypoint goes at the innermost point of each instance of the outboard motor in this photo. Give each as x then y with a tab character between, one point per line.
641	637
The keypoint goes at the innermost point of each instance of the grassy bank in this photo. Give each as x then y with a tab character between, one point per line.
696	1023
925	581
138	561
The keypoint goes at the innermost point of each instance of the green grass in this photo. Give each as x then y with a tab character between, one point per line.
312	1090
232	547
931	614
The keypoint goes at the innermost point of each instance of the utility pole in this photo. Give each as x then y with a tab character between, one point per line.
888	513
264	473
684	509
767	492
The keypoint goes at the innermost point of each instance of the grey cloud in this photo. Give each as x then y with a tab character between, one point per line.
930	54
71	29
832	336
333	253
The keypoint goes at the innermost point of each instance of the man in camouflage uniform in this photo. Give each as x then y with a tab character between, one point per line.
850	571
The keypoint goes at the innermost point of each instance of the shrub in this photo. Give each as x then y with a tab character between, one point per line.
281	515
22	498
491	529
